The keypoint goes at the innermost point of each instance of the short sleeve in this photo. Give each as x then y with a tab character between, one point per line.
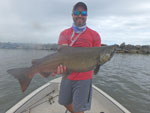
97	41
62	38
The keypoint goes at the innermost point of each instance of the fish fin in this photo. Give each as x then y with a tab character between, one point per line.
23	75
96	69
45	74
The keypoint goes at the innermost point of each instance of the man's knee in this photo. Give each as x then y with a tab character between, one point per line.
69	107
78	112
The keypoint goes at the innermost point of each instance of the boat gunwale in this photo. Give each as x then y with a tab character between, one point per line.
27	98
112	100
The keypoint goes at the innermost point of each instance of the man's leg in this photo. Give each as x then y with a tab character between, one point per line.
70	108
81	94
65	94
82	90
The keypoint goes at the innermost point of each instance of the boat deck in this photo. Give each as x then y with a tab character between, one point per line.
52	106
45	100
49	104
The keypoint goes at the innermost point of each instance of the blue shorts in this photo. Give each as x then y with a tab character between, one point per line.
76	92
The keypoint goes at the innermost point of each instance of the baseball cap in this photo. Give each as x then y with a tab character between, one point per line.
80	4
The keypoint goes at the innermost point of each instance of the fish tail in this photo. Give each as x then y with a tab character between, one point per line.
23	75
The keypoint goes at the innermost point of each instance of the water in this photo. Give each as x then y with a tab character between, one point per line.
126	78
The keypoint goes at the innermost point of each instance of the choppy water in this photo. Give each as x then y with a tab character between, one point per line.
126	78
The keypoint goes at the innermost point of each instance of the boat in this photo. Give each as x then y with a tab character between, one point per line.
45	100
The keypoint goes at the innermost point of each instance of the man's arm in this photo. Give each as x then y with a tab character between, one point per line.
97	41
61	42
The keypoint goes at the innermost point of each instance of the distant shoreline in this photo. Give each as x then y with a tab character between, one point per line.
8	45
134	49
123	48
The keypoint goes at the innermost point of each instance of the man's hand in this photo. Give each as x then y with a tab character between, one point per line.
60	70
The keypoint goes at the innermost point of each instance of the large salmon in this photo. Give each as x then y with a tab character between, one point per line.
76	59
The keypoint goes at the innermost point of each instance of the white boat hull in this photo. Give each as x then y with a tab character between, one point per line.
45	100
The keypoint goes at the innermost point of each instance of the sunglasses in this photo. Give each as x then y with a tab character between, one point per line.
77	13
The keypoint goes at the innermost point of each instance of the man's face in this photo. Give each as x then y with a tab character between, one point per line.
79	20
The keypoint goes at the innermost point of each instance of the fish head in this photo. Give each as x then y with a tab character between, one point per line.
107	53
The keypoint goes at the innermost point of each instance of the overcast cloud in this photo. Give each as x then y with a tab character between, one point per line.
41	21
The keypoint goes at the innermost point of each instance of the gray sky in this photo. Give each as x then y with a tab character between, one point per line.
41	21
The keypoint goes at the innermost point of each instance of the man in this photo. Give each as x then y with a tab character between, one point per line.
75	90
